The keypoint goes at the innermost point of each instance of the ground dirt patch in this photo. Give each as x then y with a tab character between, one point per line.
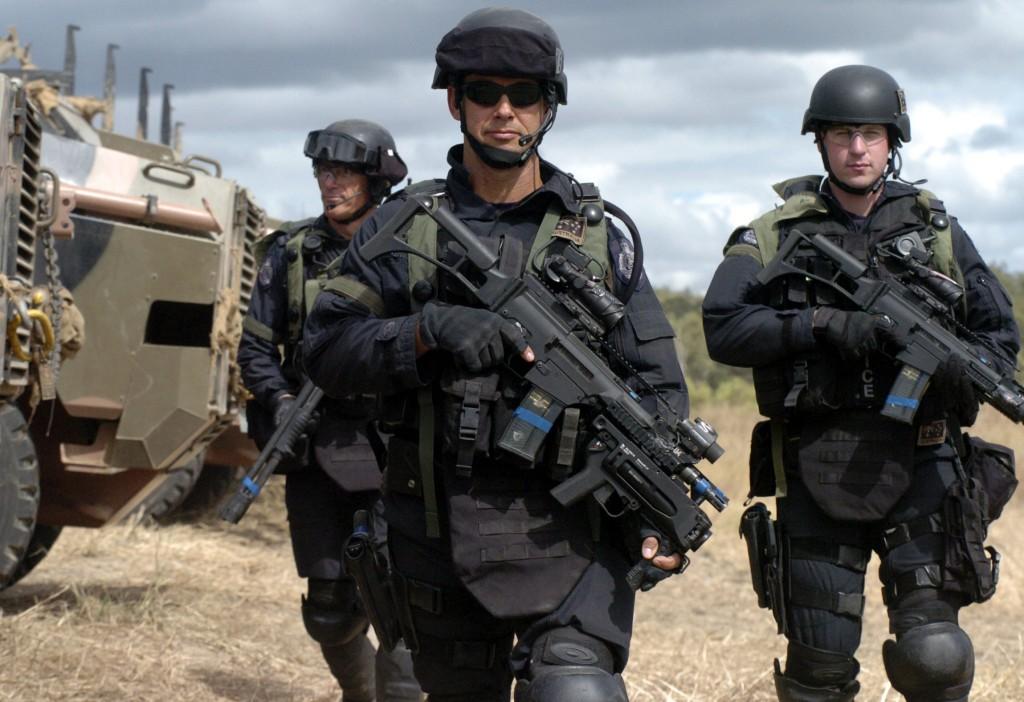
205	612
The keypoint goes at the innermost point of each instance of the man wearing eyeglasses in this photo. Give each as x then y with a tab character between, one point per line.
481	552
334	473
849	480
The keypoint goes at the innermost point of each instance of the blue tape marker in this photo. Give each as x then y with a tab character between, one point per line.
251	485
534	419
901	401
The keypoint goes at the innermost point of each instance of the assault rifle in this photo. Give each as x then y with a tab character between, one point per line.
916	311
636	462
278	447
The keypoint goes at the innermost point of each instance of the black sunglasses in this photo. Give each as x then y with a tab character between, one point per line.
488	93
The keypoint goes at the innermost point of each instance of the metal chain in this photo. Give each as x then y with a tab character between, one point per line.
56	304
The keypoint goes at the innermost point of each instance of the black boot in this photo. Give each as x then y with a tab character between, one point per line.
789	690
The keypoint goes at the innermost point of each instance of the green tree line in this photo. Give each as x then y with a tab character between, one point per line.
713	382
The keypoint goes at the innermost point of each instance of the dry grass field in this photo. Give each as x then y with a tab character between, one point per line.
210	612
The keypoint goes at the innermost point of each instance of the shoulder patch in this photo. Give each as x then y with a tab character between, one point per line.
742	235
623	261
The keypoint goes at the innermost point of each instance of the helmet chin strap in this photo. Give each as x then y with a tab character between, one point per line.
502	159
355	215
890	169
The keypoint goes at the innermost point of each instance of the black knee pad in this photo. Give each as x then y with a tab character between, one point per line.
819	668
933	661
332	612
566	664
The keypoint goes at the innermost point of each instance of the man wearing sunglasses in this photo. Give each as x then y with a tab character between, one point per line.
849	480
355	165
481	553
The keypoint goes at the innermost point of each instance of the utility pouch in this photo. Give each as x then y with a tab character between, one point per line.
467	415
766	560
993	466
762	466
975	566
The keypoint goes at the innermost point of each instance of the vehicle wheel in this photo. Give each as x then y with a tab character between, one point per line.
209	491
159	504
43	538
19	492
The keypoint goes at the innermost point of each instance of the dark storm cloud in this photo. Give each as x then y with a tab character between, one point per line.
683	113
991	137
236	43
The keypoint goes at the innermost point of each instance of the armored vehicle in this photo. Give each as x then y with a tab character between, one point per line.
156	251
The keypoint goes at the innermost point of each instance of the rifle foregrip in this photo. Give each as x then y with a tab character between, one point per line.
576	487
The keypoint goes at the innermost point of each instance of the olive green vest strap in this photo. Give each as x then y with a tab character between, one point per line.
942	247
354	290
422	236
744	250
943	259
594	243
296	286
425	398
778	427
260	330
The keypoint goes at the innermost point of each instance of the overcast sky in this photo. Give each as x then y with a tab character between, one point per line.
683	113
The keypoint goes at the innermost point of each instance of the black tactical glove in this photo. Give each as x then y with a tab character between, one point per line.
644	575
855	334
956	391
282	405
475	337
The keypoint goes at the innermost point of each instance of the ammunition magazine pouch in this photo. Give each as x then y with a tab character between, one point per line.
764	551
993	466
969	566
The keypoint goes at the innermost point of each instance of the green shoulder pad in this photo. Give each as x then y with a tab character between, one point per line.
286	230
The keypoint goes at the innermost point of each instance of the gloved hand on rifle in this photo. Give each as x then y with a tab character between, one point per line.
282	405
853	333
478	339
956	391
656	562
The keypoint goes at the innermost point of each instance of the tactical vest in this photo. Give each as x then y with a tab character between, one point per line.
810	388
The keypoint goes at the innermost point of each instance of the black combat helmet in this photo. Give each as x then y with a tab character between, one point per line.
363	144
858	95
502	41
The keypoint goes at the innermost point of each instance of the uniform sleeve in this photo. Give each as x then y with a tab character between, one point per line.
266	326
989	309
645	339
349	350
740	328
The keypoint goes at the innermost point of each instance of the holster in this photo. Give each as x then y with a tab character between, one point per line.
764	550
367	564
